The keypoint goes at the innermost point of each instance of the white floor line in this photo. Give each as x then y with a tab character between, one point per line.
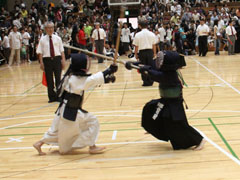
217	76
28	117
120	111
20	95
94	114
219	148
94	91
138	142
163	156
114	136
116	111
110	115
109	90
32	122
135	142
100	112
16	125
103	144
133	82
118	115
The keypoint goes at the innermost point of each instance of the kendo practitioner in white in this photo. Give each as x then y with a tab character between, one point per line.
72	126
165	118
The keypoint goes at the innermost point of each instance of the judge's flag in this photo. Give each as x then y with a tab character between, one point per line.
44	80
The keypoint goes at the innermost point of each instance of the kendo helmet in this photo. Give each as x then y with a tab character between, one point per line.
169	61
80	63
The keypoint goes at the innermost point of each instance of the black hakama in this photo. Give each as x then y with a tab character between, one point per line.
169	123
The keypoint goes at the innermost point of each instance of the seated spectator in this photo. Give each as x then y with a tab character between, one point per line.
186	48
195	16
191	38
187	15
213	18
174	18
110	51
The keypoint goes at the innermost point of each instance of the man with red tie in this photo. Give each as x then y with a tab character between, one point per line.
52	59
232	37
98	39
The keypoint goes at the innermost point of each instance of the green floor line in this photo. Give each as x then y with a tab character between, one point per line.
31	88
223	139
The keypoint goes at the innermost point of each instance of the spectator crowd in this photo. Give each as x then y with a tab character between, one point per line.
175	23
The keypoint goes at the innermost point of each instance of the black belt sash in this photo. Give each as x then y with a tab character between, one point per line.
145	50
52	58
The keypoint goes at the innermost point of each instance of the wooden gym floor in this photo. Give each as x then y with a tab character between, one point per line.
213	97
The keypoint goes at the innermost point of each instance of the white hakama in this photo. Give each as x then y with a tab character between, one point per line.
85	129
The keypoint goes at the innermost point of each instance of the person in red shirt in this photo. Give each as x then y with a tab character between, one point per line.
82	37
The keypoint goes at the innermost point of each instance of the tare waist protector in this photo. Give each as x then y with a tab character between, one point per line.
74	103
172	92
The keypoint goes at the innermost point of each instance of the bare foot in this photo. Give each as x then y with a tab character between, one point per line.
96	150
146	132
38	146
200	146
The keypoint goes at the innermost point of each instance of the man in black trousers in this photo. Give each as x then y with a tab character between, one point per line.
145	42
202	32
52	59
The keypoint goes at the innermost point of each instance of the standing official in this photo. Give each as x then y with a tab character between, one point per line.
144	42
52	59
232	37
202	32
98	39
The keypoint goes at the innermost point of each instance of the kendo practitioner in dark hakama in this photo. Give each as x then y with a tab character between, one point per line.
165	118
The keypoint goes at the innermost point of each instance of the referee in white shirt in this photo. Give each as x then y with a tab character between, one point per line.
145	43
202	32
99	39
52	59
232	37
